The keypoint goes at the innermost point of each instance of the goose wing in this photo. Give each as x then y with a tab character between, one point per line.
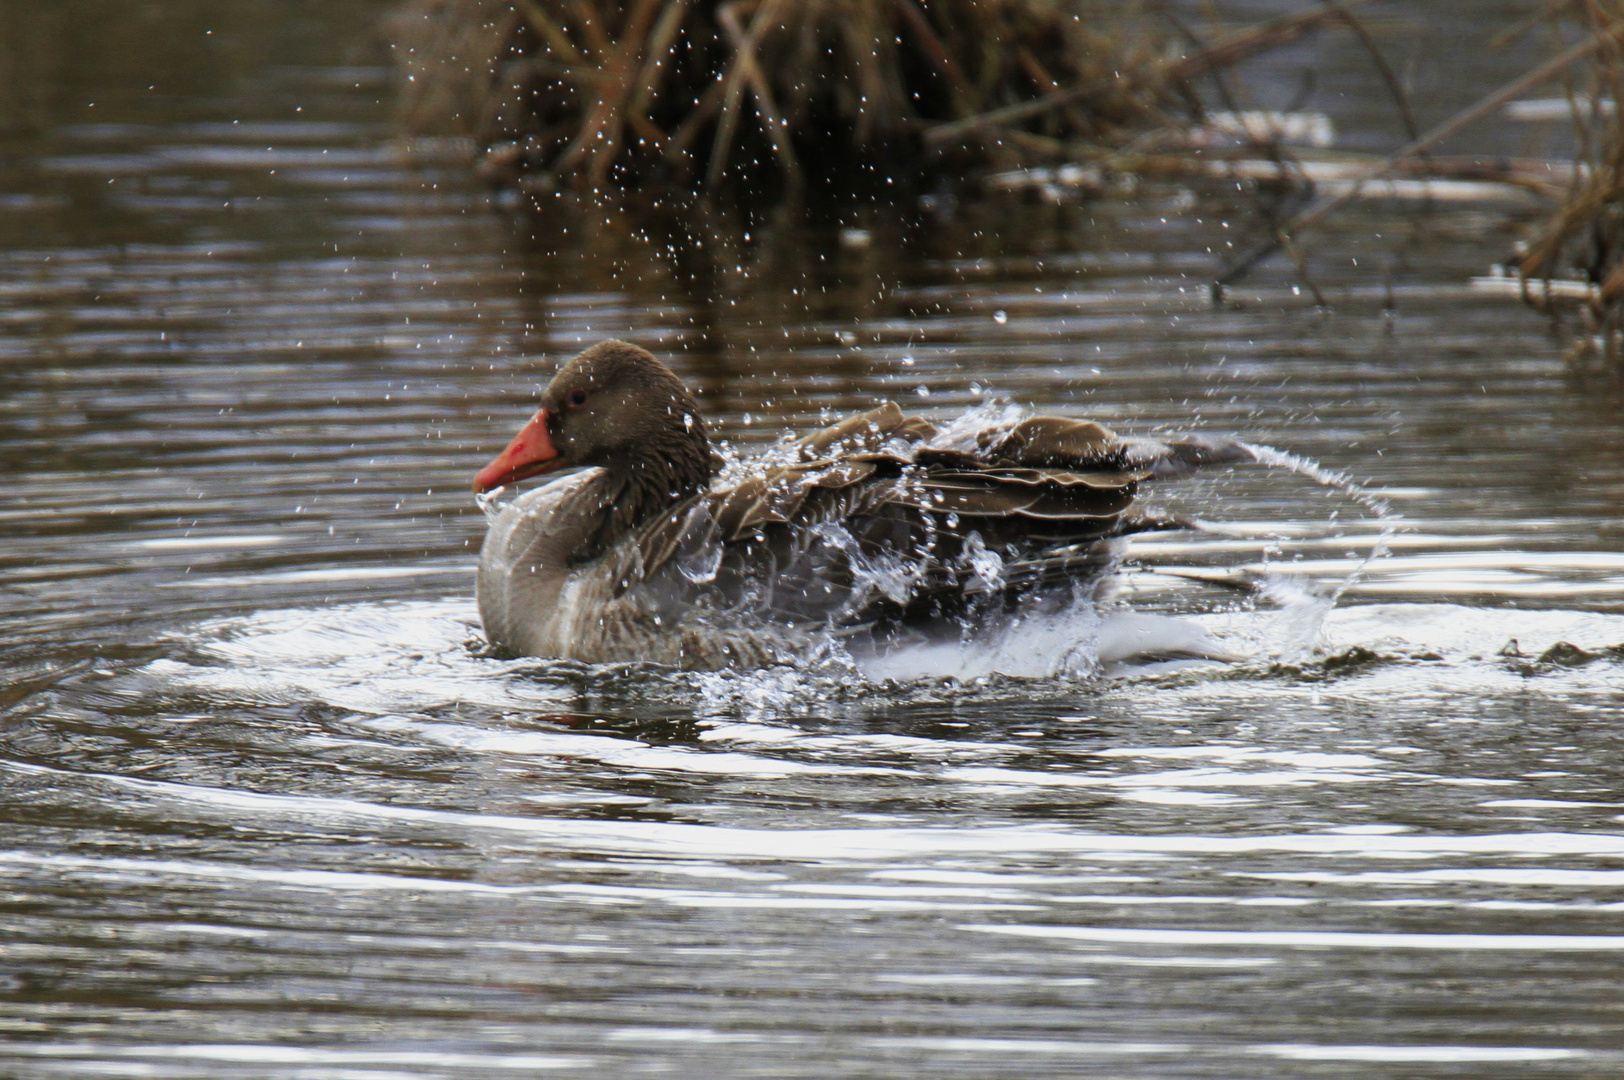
1044	491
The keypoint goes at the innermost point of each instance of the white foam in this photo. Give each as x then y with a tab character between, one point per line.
1074	642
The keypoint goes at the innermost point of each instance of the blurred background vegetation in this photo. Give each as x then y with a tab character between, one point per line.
768	101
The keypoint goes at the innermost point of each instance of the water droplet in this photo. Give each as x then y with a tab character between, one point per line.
1000	317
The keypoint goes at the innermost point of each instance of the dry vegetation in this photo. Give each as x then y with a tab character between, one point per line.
625	93
1585	236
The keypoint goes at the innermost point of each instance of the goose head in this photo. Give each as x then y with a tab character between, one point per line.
616	407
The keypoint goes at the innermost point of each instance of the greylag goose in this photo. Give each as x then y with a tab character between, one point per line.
881	525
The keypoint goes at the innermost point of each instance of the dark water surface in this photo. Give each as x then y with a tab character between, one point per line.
269	812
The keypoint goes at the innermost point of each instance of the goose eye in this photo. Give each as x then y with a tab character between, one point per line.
577	397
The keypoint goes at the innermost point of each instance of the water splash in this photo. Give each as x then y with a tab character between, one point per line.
889	575
1065	640
964	432
1299	624
823	678
699	551
1303	608
986	565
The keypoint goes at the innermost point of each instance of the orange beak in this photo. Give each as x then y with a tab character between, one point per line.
530	453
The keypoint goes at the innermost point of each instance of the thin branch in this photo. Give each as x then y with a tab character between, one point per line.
735	81
777	128
1553	8
596	36
1394	87
923	33
661	42
555	36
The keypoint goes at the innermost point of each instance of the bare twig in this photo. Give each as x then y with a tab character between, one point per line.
745	57
550	32
932	45
1552	9
1394	87
660	44
637	90
737	76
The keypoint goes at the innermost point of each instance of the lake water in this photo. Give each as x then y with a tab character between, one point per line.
269	810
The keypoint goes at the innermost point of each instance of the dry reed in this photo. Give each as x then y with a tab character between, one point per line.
622	93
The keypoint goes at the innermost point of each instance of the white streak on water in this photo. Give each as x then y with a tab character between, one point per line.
1317	939
267	1054
669	840
1567	879
295	577
154	870
183	543
611	751
1027	1046
1397	1054
1176	778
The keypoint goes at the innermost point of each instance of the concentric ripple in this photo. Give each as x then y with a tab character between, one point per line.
271	810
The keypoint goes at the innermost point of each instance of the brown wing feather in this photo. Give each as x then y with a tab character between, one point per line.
992	498
760	500
661	537
1034	478
1102	505
868	431
1044	482
775	497
948	459
1056	442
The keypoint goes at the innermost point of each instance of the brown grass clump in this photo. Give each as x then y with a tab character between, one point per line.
622	93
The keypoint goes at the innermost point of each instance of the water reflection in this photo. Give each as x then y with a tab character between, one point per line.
270	811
